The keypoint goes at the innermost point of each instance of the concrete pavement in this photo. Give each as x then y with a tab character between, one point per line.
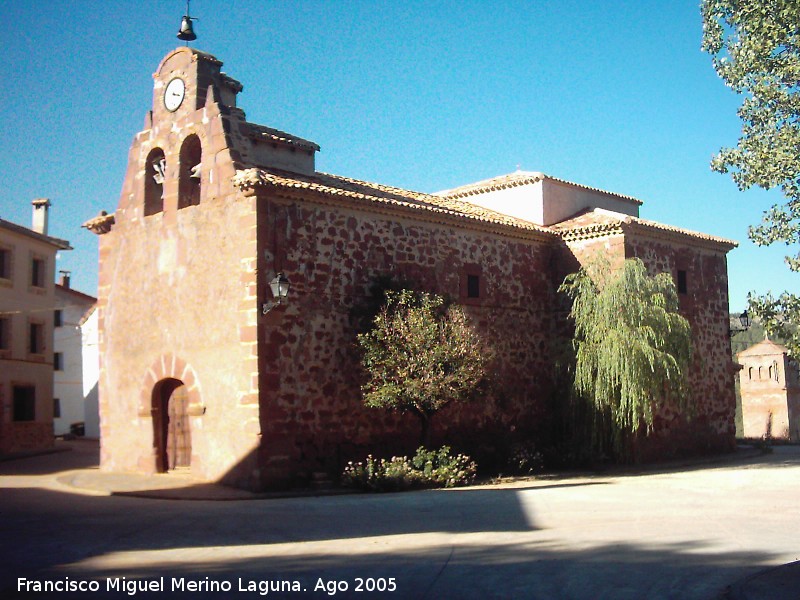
699	532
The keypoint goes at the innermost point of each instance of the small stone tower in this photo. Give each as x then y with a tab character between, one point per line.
770	388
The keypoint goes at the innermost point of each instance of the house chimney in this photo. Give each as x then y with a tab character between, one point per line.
41	206
64	280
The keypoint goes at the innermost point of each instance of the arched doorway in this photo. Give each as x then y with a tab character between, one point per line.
172	435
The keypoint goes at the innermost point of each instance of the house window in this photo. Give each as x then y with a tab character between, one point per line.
24	403
58	318
473	286
58	361
682	289
38	268
36	338
56	408
5	333
5	263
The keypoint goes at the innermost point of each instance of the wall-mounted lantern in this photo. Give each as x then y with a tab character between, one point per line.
744	319
280	290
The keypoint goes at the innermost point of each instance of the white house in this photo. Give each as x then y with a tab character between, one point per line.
69	397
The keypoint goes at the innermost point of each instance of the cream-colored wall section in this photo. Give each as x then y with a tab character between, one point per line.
547	201
562	201
67	340
522	201
27	304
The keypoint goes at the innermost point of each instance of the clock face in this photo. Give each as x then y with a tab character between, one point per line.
173	95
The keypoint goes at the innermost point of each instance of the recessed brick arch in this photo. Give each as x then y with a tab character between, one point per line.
169	366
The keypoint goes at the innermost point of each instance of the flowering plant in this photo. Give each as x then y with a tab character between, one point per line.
426	469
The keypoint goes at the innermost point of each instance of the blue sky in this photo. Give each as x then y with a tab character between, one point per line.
422	95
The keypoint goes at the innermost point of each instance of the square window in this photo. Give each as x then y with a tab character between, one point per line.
24	403
682	288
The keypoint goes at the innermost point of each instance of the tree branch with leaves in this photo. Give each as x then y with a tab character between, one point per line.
755	46
420	356
632	346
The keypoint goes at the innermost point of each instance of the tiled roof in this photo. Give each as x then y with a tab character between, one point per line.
600	222
334	185
764	347
269	134
519	178
594	223
58	243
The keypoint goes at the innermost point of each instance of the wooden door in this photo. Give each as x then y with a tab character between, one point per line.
179	435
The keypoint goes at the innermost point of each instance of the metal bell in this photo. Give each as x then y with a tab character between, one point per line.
187	32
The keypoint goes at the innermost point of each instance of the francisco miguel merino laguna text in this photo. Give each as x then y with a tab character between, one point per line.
176	584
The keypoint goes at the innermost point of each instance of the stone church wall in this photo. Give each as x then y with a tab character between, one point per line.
710	426
312	413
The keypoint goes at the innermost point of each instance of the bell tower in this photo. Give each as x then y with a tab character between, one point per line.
182	81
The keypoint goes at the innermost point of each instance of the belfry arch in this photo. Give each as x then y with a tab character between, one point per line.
154	173
191	157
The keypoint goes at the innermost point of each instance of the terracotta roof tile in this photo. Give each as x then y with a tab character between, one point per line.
53	241
592	223
334	185
519	178
268	133
599	222
764	347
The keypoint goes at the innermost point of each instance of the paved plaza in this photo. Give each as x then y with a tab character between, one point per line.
687	532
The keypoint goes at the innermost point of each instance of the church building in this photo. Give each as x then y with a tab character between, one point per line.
204	369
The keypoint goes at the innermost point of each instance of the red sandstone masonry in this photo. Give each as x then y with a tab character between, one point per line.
180	295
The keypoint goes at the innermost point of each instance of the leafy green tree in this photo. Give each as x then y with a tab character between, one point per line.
420	356
632	346
755	46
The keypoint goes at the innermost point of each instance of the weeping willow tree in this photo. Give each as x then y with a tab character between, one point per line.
632	347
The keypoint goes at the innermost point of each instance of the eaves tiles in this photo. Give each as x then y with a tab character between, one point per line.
600	223
381	197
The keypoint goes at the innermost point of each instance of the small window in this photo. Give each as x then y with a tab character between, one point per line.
38	272
471	289
36	338
473	286
5	263
56	408
58	318
5	333
58	361
24	403
682	289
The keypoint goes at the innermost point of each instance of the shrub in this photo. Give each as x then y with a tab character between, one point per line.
427	469
526	459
